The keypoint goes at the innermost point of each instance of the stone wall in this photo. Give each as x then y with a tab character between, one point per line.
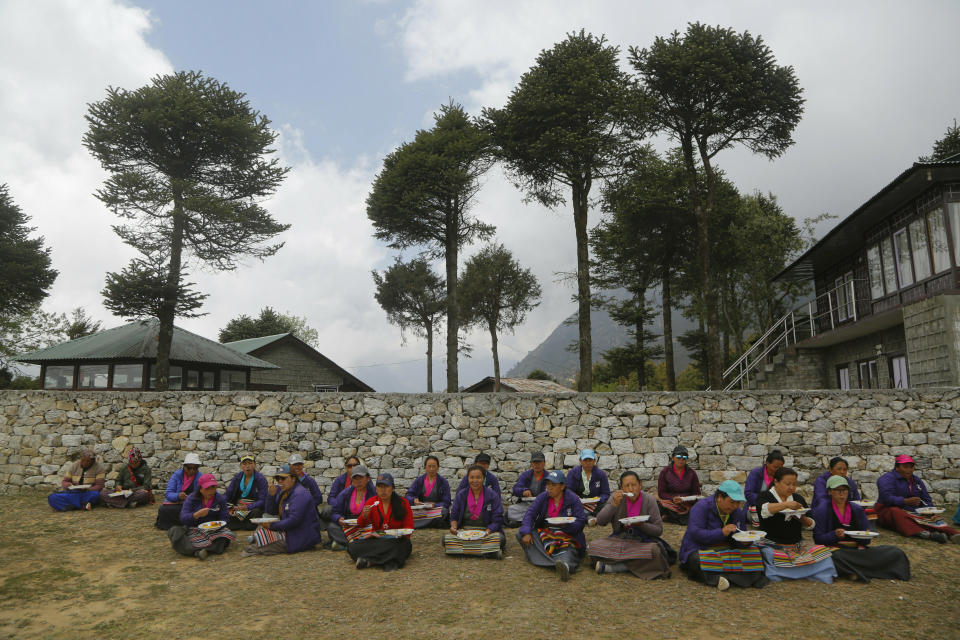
932	329
727	433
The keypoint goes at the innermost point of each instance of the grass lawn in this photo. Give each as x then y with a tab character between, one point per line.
110	574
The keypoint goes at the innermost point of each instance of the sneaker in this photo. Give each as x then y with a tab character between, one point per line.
362	563
723	584
599	567
336	546
202	554
88	507
562	570
937	536
592	522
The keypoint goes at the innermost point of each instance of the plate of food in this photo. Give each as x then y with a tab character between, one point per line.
264	520
471	534
594	500
866	504
561	520
126	493
690	498
422	505
929	511
749	536
862	535
350	522
794	512
213	525
633	520
528	498
397	532
79	487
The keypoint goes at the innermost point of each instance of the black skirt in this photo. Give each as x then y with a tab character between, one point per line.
883	562
382	551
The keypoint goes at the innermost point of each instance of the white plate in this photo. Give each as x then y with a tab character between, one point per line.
691	498
528	499
634	520
471	534
264	520
929	511
749	536
213	525
126	493
79	487
350	522
590	500
424	505
561	520
866	504
862	535
398	532
794	512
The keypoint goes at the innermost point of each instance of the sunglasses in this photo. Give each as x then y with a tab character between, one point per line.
682	457
350	466
279	478
192	467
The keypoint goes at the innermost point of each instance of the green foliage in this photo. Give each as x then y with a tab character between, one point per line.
269	323
25	273
948	145
140	290
539	374
81	324
26	332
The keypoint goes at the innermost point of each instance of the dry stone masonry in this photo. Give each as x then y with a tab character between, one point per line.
728	433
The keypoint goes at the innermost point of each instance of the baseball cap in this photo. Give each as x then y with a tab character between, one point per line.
588	453
556	477
732	489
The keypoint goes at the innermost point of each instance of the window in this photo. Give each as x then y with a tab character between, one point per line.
921	253
889	271
953	210
325	388
58	377
868	375
128	376
902	248
898	372
843	377
844	292
193	379
233	380
938	240
876	272
94	376
208	380
174	378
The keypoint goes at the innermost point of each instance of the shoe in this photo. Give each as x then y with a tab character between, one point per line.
936	536
562	570
592	522
599	568
250	539
723	584
955	538
336	546
362	563
134	505
202	554
88	507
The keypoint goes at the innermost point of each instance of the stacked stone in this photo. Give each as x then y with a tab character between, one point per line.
727	433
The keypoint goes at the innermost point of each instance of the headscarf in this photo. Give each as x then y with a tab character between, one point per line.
135	456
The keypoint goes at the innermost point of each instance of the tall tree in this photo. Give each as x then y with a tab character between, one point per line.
269	323
497	293
25	272
188	161
139	290
415	299
28	331
712	89
948	145
423	197
81	324
563	128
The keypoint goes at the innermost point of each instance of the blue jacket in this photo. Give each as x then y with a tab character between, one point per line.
298	520
523	483
704	527
258	492
753	487
599	486
491	481
823	531
893	488
341	506
339	484
310	485
492	511
820	493
441	492
536	517
218	510
175	485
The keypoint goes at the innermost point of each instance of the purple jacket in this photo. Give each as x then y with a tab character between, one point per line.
823	515
340	508
218	510
893	488
754	486
820	490
258	492
492	511
670	485
339	484
599	486
440	494
536	517
523	483
491	481
310	485
175	486
298	520
704	527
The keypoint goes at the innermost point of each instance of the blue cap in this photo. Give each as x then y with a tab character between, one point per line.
588	453
283	471
556	477
732	489
385	478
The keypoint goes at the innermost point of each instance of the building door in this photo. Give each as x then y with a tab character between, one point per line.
868	375
843	377
898	372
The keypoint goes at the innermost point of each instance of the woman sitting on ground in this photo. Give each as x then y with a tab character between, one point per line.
182	483
247	492
709	553
296	530
476	507
133	482
759	480
81	484
788	559
348	506
391	521
528	486
638	547
676	482
837	467
852	557
201	506
587	480
556	545
900	495
339	484
430	489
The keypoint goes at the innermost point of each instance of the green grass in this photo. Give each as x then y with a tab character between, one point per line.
38	584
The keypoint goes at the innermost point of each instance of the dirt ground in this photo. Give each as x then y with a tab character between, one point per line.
110	574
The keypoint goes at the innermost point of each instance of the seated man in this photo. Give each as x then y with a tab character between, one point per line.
589	483
901	493
81	484
552	529
490	480
529	485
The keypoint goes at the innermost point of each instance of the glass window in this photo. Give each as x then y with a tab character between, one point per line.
876	272
94	376
208	378
898	367
174	378
953	210
233	380
938	240
868	375
193	379
58	377
902	249
889	271
128	376
843	377
921	254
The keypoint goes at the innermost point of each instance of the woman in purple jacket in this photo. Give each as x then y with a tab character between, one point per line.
708	552
202	506
676	482
296	530
339	484
247	494
349	505
429	489
759	480
476	507
560	545
900	494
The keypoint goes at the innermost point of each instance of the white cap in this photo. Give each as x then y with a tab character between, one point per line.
295	459
192	458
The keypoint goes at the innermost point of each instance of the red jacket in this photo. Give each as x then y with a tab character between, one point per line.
375	517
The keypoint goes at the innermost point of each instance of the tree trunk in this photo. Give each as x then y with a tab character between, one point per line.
453	313
429	328
580	210
714	356
642	367
496	359
168	305
667	304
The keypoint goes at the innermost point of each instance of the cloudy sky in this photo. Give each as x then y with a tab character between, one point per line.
346	82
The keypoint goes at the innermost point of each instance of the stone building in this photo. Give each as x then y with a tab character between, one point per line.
886	310
299	367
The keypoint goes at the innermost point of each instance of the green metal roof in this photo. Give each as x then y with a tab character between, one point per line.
252	344
138	340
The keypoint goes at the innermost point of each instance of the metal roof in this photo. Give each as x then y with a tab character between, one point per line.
138	340
523	385
252	344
